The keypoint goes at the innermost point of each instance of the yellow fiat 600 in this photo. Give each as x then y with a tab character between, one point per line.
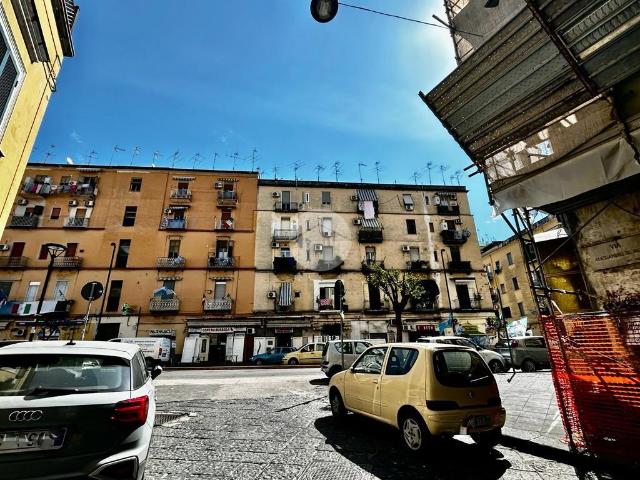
425	390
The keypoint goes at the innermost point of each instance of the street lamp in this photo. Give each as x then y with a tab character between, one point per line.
324	11
446	283
104	297
55	250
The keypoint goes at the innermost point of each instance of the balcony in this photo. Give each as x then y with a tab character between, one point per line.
285	265
67	262
471	304
217	262
29	221
460	267
379	306
284	235
418	266
368	235
286	207
447	210
13	262
453	237
224	224
173	224
181	194
218	304
36	189
170	263
227	198
368	263
325	304
76	222
159	304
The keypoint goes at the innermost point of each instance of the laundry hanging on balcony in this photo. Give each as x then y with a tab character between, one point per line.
285	299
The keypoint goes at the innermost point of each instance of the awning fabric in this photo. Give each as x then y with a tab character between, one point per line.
371	223
367	195
285	295
179	207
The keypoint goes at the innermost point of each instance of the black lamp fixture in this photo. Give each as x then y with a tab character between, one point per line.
492	3
324	11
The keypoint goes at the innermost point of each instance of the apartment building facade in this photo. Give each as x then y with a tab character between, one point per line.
182	244
35	36
310	234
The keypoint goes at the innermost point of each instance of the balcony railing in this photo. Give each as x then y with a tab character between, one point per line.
181	194
218	304
418	266
284	235
370	235
448	210
76	222
67	262
169	263
13	262
380	306
173	224
286	207
453	237
159	304
460	267
30	221
471	304
368	263
227	198
224	262
227	224
285	265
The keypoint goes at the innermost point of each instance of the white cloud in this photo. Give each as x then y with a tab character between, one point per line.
75	136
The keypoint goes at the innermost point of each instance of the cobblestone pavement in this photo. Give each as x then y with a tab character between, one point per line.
284	430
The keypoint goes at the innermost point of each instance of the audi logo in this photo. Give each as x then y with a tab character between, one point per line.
25	415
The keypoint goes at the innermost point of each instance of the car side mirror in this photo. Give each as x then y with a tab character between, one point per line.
155	371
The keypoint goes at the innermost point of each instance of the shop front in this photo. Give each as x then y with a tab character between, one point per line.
229	343
283	332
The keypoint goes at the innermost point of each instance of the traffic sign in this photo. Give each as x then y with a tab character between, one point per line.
92	291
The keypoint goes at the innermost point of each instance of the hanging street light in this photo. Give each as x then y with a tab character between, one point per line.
324	11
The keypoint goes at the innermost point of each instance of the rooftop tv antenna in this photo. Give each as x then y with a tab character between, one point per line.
116	149
458	174
196	159
296	166
319	168
416	176
378	170
92	156
337	169
48	154
275	172
429	167
253	158
215	157
136	152
235	160
443	168
174	157
156	156
360	165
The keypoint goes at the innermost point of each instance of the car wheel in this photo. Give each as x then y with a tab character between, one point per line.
333	370
337	405
259	362
487	440
415	434
496	366
293	361
528	366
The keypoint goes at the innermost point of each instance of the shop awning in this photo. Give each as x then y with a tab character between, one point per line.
371	223
367	195
285	299
179	207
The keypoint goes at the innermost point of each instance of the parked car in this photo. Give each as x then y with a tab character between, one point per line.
309	354
273	356
526	353
75	410
425	390
332	355
156	350
496	362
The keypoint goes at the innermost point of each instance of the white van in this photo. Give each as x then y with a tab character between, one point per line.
332	355
158	349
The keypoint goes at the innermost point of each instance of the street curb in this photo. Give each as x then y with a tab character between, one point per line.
241	367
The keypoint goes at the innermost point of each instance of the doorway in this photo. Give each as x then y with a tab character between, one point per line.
107	331
464	300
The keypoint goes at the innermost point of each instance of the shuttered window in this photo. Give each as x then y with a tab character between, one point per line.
10	73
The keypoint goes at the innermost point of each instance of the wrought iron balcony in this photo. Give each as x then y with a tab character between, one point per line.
286	207
379	306
170	263
67	262
460	267
285	265
76	222
453	237
222	262
227	198
159	304
28	221
181	194
173	224
471	304
448	210
13	262
370	235
218	304
418	266
284	235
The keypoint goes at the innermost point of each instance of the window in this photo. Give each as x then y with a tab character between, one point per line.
326	198
435	255
503	289
327	253
17	249
455	254
401	361
60	290
371	361
113	300
451	225
174	248
129	219
170	285
44	252
11	74
414	254
348	347
72	249
515	283
408	201
32	292
361	347
521	309
431	228
285	252
135	185
426	199
370	254
65	179
411	226
461	368
306	197
55	213
139	371
220	290
123	253
327	227
5	289
509	258
506	312
536	342
497	266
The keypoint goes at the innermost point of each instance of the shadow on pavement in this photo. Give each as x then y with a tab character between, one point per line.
376	448
319	381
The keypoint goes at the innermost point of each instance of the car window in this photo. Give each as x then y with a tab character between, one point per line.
465	343
401	360
361	347
371	361
348	347
306	348
138	371
534	342
443	340
319	347
460	368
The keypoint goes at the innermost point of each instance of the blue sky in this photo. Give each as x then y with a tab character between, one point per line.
207	76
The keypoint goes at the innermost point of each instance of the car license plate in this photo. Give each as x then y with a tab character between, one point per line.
31	440
479	421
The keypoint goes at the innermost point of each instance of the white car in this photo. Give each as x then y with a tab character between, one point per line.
75	410
495	361
332	355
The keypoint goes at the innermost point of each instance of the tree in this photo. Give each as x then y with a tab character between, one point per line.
399	286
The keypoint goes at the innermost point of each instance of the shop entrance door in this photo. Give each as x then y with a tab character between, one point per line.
283	339
216	349
107	331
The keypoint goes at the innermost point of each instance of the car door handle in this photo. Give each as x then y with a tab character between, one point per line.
376	381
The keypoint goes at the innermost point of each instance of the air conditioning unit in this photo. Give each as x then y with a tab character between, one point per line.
354	198
89	203
409	207
22	201
4	247
357	221
458	221
436	200
167	210
73	203
271	294
405	248
218	185
275	245
317	247
251	331
275	194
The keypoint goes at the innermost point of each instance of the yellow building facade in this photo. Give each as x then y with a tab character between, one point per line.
35	36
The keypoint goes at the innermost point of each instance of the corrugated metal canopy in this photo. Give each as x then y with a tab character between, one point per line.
371	223
518	80
367	195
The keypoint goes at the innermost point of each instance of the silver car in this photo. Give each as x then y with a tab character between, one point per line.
75	410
